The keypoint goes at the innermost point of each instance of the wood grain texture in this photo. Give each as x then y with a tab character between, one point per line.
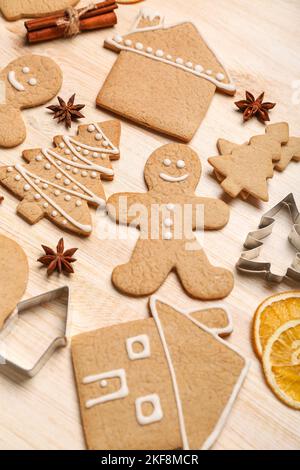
259	42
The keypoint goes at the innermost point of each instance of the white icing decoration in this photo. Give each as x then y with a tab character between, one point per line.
84	173
14	82
180	164
54	214
58	176
149	50
57	192
26	175
121	393
91	128
68	167
149	14
105	143
169	57
220	76
159	53
64	222
103	383
170	207
118	39
209	72
78	203
39	158
189	65
157	413
85	152
58	163
45	205
144	341
173	179
37	197
75	171
95	155
139	46
45	186
67	151
62	145
27	187
37	181
78	149
67	198
10	169
167	162
17	177
32	81
197	70
75	159
168	222
67	182
25	70
93	175
167	236
47	166
98	136
128	42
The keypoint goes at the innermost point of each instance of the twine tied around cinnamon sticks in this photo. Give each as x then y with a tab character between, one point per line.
71	21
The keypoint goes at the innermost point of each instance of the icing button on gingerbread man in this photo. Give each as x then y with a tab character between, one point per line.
167	216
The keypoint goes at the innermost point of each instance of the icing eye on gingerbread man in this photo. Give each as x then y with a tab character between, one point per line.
180	164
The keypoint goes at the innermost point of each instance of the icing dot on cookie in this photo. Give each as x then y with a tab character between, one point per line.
45	205
220	76
37	181
68	198
94	174
168	222
67	151
105	143
75	171
78	203
169	57
57	192
45	186
159	53
58	176
37	197
208	72
199	68
168	236
118	38
68	167
180	164
139	46
10	169
17	177
95	155
54	213
170	207
74	159
62	145
39	158
67	182
78	149
98	136
58	163
32	81
189	65
179	61
85	152
103	383
149	50
25	69
91	128
64	222
84	173
47	166
26	187
128	42
167	162
75	187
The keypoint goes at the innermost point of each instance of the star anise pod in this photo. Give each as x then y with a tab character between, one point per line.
67	112
60	260
255	107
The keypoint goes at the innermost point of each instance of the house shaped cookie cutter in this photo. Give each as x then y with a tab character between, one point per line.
253	243
61	293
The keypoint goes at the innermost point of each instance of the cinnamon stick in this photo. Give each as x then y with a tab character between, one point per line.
100	21
51	21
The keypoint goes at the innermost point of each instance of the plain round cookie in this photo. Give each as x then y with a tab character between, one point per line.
13	276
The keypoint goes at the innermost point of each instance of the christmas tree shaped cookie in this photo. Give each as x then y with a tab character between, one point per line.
244	169
61	182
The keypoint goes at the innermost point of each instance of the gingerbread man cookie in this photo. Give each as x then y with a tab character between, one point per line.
165	76
16	9
61	182
26	82
167	216
13	276
170	383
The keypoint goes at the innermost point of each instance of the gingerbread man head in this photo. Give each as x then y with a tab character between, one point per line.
26	82
173	167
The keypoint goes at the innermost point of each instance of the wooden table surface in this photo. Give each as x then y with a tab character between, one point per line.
259	41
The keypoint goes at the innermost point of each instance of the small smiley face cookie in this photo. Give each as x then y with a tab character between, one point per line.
26	82
16	9
167	216
13	276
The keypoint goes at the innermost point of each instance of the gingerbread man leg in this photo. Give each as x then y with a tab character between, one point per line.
200	279
146	271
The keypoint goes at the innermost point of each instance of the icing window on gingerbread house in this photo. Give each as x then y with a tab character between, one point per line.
138	347
102	379
142	407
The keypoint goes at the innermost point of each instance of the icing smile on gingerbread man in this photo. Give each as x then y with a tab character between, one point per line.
168	216
11	76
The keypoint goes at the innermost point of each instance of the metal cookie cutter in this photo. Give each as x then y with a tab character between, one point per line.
253	243
63	295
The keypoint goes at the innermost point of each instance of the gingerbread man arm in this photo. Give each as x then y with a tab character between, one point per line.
216	213
127	208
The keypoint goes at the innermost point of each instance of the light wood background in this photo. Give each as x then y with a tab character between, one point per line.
259	41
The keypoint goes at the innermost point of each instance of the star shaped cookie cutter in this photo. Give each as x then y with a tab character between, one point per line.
63	294
253	243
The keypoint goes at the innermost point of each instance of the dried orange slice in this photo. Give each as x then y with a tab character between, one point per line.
281	363
273	313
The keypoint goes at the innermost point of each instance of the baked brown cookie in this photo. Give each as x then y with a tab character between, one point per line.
16	9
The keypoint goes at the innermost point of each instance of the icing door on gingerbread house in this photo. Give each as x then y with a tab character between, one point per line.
166	382
164	78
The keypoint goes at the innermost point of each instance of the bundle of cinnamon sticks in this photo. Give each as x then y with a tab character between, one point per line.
99	15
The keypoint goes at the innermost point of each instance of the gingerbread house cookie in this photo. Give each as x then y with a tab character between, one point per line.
170	383
165	76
